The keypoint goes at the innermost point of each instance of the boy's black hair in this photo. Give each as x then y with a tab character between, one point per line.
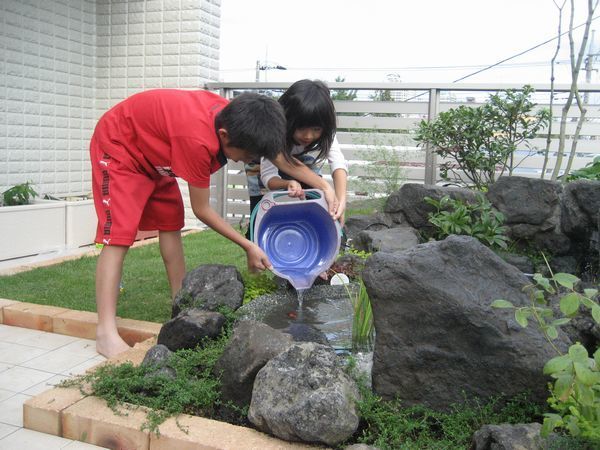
307	103
254	123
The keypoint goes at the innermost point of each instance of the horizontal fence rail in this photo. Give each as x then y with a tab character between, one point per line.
377	137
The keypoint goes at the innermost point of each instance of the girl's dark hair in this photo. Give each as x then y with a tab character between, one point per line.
254	123
307	103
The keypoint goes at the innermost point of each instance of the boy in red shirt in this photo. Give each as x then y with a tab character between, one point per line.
137	149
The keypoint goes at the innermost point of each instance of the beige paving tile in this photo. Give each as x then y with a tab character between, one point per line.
6	393
15	334
85	347
48	341
82	368
11	410
12	353
45	385
19	379
5	430
32	440
56	361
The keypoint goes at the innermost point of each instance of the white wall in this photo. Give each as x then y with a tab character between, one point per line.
64	62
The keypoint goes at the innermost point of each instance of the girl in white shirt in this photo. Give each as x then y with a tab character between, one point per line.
310	138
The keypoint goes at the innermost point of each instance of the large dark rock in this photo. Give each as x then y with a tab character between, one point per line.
190	328
409	200
525	200
304	394
461	344
209	287
251	346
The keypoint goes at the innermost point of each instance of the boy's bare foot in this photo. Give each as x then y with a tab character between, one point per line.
110	346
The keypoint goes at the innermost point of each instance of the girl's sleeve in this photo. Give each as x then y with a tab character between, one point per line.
268	170
336	157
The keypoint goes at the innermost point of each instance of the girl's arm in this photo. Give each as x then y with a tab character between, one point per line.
302	173
199	199
339	173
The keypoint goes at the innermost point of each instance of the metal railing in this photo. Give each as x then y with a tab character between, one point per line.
366	125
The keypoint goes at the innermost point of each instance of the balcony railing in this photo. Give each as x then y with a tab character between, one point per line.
367	128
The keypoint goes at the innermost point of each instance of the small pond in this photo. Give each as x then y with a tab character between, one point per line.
325	308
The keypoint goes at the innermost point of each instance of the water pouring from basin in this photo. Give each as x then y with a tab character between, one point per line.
299	236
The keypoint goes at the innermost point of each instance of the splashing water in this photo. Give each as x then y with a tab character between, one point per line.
300	294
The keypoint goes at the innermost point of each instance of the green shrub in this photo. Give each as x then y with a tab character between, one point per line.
479	220
575	393
21	194
590	172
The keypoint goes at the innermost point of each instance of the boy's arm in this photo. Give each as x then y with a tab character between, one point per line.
200	200
302	173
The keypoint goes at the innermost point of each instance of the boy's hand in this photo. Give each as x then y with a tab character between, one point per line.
295	189
257	259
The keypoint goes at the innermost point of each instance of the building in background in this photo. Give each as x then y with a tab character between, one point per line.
65	62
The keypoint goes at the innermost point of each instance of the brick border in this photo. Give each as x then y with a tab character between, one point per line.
68	413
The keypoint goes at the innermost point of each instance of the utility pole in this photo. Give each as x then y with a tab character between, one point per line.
260	67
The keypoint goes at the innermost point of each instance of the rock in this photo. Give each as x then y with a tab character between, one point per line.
391	240
157	356
509	437
373	222
209	287
189	328
251	346
461	344
303	394
525	200
409	199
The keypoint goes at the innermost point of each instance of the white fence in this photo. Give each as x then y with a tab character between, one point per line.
369	129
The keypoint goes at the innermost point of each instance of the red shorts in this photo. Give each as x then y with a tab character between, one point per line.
128	200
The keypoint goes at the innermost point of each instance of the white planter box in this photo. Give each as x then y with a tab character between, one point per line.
81	223
31	229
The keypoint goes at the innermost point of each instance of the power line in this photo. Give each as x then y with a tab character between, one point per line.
521	53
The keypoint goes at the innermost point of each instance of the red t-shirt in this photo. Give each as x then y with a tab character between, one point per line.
166	132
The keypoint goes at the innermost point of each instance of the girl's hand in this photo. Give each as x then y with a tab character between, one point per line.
332	201
295	189
257	259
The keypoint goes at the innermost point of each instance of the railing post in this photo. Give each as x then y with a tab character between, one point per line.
221	178
430	155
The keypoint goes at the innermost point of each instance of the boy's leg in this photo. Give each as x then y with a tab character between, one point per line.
108	276
171	250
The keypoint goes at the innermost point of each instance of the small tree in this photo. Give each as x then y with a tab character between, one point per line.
479	143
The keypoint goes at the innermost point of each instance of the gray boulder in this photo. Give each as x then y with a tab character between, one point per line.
373	222
303	394
189	328
251	346
409	200
209	287
525	200
390	240
509	437
461	344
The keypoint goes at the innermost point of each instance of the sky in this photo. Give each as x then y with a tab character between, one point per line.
436	41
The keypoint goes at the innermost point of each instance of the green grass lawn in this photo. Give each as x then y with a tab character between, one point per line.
146	295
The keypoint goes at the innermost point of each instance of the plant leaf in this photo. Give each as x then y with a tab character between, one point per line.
569	304
565	279
521	317
585	375
596	313
590	293
502	304
557	364
578	353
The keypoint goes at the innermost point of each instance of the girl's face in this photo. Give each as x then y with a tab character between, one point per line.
306	136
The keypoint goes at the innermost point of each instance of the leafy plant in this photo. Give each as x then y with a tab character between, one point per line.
479	220
590	172
479	142
257	285
20	194
363	328
575	393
